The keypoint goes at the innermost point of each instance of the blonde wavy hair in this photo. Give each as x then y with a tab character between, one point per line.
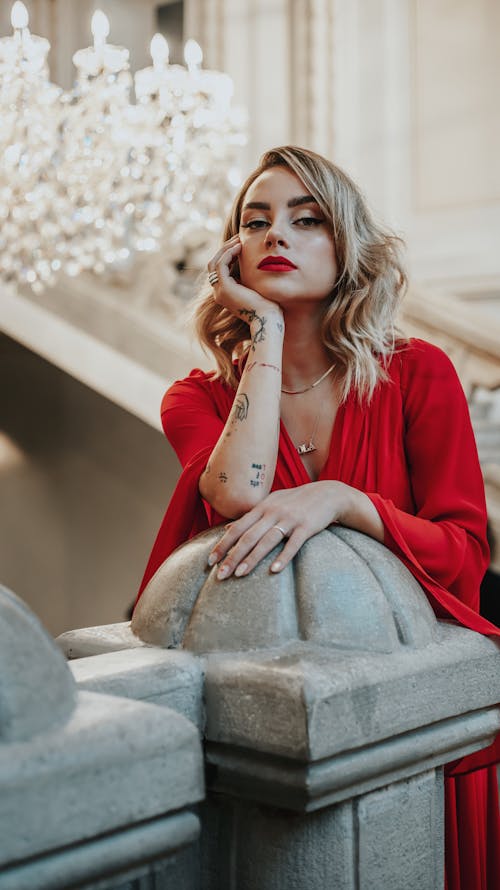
358	327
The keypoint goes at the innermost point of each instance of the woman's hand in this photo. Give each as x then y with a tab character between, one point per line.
296	514
229	292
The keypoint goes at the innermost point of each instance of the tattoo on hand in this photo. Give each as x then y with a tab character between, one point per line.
260	475
260	334
222	477
240	409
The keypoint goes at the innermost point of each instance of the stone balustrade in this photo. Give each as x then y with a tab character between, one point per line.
329	699
95	790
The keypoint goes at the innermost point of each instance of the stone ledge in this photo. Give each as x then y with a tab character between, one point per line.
305	787
305	702
113	764
108	856
169	678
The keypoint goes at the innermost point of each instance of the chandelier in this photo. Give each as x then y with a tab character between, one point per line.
89	178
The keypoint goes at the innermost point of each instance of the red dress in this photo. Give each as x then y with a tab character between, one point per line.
412	451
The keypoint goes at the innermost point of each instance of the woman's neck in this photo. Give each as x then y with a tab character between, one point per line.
304	356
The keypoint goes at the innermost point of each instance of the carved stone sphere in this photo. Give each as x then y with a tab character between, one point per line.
342	590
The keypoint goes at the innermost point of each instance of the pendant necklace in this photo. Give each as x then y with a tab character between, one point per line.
308	446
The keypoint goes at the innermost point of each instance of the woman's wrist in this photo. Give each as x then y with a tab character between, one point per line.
264	324
354	509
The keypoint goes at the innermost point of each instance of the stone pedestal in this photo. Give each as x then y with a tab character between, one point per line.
333	698
94	790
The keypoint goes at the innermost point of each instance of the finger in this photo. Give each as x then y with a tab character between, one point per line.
235	557
291	548
231	535
253	545
268	542
233	242
224	262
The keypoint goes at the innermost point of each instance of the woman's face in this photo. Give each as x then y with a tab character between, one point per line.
288	252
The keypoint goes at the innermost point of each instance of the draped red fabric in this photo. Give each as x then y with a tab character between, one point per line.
412	451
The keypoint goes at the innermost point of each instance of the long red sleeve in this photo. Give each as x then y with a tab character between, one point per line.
443	542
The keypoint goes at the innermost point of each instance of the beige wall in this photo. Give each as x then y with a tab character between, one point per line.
416	90
83	488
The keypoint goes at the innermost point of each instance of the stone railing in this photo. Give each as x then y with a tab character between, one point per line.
95	790
329	698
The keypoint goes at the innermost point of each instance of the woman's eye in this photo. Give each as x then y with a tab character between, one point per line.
308	221
254	224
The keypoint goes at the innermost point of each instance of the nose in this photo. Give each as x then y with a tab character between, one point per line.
275	235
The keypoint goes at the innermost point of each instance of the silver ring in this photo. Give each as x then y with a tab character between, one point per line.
213	277
282	530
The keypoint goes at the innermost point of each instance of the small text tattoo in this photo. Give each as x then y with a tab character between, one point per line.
222	477
279	325
259	474
241	403
250	315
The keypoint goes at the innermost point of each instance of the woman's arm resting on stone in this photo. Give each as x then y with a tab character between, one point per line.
298	512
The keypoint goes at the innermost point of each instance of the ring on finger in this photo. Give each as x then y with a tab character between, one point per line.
282	530
213	277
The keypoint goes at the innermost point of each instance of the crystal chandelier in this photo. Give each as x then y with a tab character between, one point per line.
88	178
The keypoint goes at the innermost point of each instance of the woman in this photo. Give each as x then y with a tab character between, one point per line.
318	414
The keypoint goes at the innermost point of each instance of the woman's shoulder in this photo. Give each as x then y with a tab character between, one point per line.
418	358
199	387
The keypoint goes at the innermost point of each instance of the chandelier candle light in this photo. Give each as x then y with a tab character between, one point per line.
88	178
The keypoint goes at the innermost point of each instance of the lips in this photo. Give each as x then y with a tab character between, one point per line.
276	264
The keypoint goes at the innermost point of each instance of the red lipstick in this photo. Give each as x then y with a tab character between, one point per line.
276	264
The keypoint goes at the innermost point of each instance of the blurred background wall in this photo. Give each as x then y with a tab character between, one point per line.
405	95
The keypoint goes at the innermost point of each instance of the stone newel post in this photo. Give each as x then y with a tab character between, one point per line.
94	790
333	698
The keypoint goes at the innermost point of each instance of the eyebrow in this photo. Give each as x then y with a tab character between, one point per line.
293	202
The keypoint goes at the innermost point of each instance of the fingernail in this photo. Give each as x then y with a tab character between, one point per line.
241	569
276	566
212	559
223	572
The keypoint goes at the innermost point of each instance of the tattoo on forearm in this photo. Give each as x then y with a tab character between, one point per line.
222	477
259	471
251	365
240	408
279	325
250	315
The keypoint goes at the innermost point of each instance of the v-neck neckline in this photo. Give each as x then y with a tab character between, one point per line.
333	446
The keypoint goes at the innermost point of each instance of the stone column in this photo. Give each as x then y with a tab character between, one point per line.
95	791
333	698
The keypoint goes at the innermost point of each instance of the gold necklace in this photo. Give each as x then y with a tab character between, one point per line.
307	447
296	392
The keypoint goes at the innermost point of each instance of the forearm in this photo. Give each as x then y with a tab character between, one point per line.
241	468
